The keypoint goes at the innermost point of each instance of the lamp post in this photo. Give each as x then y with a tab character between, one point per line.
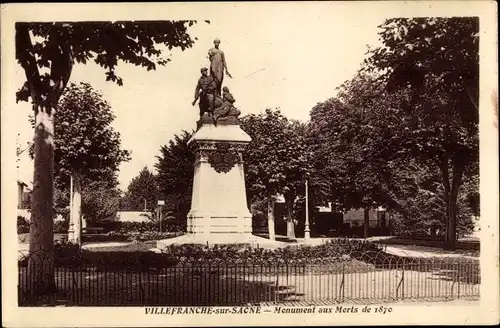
306	226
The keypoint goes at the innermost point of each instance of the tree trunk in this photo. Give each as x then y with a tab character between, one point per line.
45	96
270	218
450	199
76	211
290	226
366	213
451	206
290	229
41	261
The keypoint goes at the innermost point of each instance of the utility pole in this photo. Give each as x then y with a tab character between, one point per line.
306	227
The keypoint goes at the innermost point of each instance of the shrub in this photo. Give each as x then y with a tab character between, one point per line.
23	225
332	252
64	249
61	226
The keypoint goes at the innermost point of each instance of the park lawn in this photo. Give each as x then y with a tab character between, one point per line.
462	245
138	247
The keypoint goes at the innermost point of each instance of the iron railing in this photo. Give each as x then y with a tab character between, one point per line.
357	278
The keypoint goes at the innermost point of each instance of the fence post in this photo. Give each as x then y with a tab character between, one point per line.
208	283
143	296
459	277
342	283
401	282
277	283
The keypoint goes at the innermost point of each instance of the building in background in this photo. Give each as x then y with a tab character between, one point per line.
132	216
23	200
378	218
20	193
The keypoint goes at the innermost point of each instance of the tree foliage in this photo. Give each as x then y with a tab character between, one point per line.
175	175
277	158
404	130
349	144
433	63
142	188
101	201
47	53
84	139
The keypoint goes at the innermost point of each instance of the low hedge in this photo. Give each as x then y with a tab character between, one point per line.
131	236
333	252
125	227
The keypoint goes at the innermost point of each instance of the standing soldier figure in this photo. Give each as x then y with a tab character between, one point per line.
205	90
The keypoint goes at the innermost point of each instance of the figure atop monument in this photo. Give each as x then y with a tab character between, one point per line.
224	107
205	91
217	64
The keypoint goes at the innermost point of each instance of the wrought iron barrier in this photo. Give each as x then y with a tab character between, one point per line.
363	277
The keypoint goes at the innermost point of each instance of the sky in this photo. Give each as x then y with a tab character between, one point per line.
291	61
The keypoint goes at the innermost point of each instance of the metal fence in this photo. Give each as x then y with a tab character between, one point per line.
357	278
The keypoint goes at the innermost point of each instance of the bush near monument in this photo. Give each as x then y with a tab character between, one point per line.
134	236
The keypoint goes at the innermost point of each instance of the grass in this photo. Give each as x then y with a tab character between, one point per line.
138	247
462	245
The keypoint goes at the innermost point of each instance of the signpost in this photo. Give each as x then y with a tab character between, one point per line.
160	204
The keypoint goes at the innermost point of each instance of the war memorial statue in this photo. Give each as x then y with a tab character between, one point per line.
218	105
219	211
217	64
205	92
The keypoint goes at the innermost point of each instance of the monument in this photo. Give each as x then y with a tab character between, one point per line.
219	212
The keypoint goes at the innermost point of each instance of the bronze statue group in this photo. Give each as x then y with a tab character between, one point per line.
214	99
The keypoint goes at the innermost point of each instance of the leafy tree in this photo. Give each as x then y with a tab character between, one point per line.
433	65
348	141
143	188
275	161
86	146
175	176
47	53
423	213
101	201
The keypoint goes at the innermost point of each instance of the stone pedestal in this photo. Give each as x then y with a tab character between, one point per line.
219	204
219	213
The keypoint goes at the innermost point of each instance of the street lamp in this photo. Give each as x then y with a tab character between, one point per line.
306	226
